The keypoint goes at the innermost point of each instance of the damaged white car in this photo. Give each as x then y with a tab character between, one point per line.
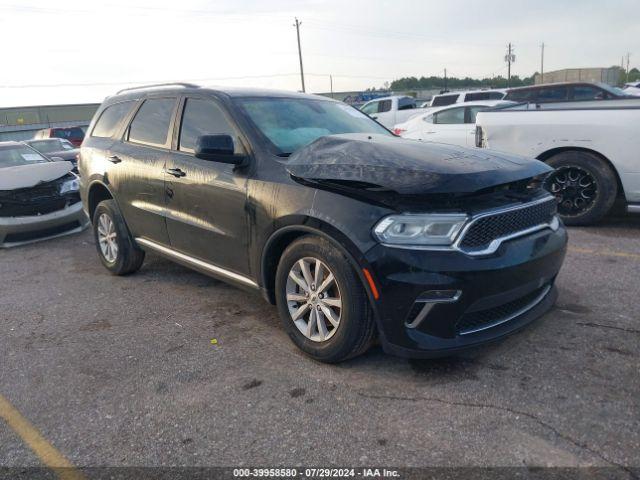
38	198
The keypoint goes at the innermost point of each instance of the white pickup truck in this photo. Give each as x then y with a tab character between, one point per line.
594	149
390	111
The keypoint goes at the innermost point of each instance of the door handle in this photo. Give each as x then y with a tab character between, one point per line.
176	172
114	159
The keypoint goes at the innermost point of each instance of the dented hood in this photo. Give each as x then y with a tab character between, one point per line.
27	176
407	167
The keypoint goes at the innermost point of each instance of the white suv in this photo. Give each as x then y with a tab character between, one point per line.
450	98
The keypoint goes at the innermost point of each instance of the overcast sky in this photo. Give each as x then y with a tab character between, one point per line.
112	43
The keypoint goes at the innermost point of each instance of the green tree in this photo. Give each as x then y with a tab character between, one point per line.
433	82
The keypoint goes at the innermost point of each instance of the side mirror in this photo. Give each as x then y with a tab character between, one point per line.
217	148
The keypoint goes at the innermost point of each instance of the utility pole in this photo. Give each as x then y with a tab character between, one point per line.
445	81
297	25
542	63
331	83
627	77
509	58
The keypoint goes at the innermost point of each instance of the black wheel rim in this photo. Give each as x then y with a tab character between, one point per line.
575	189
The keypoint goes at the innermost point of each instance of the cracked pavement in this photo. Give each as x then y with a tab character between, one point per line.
122	372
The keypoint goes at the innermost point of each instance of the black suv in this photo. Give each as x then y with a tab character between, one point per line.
565	92
354	233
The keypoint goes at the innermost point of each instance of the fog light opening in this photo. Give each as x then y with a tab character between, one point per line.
426	301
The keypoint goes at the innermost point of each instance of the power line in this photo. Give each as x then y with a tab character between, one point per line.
386	34
192	80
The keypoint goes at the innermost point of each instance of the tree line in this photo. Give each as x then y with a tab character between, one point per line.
433	82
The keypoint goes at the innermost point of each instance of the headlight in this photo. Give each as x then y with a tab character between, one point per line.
429	229
69	186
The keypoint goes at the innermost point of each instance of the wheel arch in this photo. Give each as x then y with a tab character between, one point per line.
284	236
96	193
544	156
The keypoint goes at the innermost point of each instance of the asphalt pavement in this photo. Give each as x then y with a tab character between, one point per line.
168	367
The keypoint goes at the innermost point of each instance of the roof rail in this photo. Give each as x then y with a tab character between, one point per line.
180	84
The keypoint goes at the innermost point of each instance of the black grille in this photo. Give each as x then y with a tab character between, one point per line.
485	229
38	200
482	318
36	234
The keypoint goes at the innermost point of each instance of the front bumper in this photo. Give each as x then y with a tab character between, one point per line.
16	231
495	295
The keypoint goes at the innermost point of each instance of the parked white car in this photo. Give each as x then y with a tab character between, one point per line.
632	88
595	151
391	110
454	124
450	98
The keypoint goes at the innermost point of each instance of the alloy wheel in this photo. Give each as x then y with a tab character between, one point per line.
313	299
575	189
107	238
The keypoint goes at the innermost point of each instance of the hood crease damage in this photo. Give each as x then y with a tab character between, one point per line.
377	167
27	176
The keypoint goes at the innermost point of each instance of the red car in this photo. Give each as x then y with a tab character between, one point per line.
74	134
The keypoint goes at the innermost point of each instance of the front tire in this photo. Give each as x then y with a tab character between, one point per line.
116	248
321	301
585	186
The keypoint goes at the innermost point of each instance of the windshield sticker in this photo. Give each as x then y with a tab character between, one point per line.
32	157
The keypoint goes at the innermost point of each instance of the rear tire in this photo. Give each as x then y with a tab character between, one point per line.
329	341
585	186
116	248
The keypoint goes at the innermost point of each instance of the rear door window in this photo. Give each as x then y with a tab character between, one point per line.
406	103
385	106
110	119
472	113
553	94
472	97
520	96
150	126
587	92
451	116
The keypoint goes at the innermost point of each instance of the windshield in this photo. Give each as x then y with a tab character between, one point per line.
615	90
292	123
15	156
50	146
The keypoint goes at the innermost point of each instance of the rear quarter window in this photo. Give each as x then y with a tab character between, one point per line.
444	100
110	119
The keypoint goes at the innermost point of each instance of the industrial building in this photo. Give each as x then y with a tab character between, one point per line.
21	123
609	75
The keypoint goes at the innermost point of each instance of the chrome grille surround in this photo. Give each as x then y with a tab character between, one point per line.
552	223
